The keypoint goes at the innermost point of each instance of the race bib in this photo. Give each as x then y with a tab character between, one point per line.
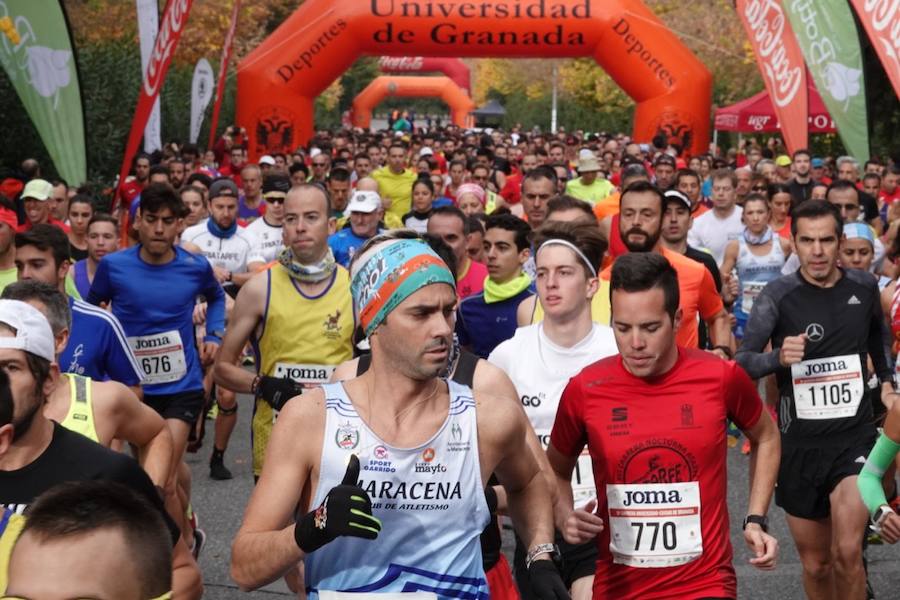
303	373
827	388
161	356
583	488
751	290
654	525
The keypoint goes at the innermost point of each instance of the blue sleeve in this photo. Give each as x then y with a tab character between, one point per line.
100	291
119	362
215	305
338	249
462	332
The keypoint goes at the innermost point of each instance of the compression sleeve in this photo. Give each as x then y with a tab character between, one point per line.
215	306
100	288
757	334
869	480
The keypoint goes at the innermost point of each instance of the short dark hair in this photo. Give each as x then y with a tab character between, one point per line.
426	181
82	199
541	172
298	166
757	197
802	151
816	209
452	211
724	173
46	237
203	178
76	508
339	174
157	197
566	202
102	217
476	223
642	271
584	236
683	173
58	313
841	185
520	229
159	170
442	249
640	186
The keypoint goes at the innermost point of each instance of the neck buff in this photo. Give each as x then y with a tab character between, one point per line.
388	273
217	231
495	292
758	240
313	273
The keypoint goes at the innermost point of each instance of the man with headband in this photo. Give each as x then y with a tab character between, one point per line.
390	469
298	314
541	358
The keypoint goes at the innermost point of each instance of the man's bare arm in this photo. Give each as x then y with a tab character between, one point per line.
245	316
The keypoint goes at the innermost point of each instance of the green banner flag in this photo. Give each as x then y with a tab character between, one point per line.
828	38
36	53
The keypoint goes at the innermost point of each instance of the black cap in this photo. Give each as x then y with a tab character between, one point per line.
223	187
676	196
276	184
665	159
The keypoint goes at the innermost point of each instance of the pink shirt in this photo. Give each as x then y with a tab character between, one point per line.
473	281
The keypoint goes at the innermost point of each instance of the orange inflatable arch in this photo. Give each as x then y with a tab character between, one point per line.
412	87
279	81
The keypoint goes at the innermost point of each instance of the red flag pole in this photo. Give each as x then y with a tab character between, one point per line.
223	71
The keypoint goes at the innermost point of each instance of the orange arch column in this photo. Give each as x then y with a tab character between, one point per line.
279	80
412	87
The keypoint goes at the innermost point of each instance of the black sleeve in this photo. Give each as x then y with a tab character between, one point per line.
714	271
880	338
869	205
759	330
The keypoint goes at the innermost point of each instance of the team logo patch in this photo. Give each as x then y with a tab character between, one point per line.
815	332
320	519
347	436
332	325
428	454
380	452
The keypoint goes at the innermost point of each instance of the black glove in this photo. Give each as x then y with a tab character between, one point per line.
490	496
546	583
346	510
277	391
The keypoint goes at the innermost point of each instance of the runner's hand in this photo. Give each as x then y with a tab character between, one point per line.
582	525
764	547
277	391
222	275
346	511
199	315
208	353
546	583
792	349
890	529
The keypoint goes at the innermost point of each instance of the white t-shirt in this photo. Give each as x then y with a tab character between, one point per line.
267	241
227	253
713	234
540	370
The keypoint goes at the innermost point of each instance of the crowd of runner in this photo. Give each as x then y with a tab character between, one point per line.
441	331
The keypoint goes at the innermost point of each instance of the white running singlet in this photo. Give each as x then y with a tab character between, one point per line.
430	500
540	370
267	241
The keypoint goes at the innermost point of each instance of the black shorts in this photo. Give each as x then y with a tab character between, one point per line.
577	561
808	474
184	406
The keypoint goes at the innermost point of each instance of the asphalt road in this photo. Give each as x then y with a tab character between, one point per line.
220	505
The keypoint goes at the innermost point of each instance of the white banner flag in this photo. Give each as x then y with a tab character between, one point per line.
202	88
148	27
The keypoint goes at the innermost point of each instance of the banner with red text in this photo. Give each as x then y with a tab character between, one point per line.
781	64
173	20
881	19
148	27
223	71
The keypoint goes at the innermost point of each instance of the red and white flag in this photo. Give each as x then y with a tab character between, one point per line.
223	71
781	63
881	18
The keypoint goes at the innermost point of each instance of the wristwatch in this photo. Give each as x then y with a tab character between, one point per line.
550	549
880	515
761	520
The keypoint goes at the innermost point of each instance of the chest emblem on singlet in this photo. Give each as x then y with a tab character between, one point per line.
332	326
815	332
658	460
347	436
458	444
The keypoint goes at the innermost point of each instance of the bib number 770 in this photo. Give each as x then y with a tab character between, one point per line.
652	539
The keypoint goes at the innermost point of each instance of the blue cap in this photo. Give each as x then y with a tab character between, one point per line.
859	231
818	163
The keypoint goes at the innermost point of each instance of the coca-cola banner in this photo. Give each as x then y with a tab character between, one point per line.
223	71
148	27
881	18
781	63
173	21
201	93
453	68
828	38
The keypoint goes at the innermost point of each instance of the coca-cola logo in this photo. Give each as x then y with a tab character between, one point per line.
404	63
883	16
169	32
767	21
758	122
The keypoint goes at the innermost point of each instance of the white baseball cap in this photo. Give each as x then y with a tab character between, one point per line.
33	333
426	151
364	202
265	159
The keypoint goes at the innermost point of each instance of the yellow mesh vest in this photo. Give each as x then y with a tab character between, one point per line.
303	338
80	417
10	527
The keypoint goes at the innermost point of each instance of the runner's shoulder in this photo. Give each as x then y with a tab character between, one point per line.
862	278
782	286
90	311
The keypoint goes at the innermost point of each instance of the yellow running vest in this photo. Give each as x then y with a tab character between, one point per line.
600	309
303	338
80	417
10	526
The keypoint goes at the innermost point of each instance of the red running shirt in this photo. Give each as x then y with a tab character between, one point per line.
659	453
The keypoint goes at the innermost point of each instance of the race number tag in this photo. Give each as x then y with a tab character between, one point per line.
583	488
827	388
315	374
751	290
654	524
161	356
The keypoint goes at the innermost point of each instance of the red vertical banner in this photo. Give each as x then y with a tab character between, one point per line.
781	63
172	23
223	71
882	22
